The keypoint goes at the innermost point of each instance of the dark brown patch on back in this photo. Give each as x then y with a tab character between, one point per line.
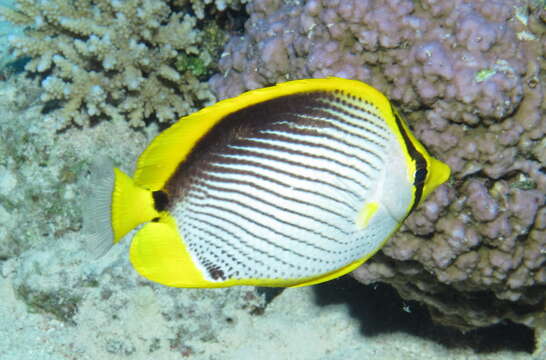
241	125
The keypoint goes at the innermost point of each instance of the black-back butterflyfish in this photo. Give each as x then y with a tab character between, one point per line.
289	185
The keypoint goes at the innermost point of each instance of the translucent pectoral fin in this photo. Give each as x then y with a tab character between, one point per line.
159	254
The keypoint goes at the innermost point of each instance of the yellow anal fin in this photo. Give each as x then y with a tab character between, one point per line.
158	253
366	214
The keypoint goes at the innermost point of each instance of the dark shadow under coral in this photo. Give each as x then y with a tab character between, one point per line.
380	310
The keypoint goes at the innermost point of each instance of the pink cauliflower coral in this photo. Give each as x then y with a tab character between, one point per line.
467	74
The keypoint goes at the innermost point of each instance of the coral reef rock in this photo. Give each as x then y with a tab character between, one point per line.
469	77
117	59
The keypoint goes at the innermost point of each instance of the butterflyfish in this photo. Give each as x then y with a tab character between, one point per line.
288	185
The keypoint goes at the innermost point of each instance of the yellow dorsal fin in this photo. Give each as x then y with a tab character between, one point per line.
161	158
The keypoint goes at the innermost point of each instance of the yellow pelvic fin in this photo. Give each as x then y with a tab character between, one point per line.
131	205
366	214
158	253
334	274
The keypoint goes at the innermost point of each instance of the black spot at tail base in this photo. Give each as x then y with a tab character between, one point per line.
161	200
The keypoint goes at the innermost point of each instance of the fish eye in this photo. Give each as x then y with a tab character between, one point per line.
420	176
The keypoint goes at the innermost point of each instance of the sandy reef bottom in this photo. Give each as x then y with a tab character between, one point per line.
119	316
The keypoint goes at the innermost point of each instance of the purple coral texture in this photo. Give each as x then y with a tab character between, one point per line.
468	76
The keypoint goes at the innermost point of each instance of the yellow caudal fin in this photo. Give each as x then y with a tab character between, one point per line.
159	254
114	206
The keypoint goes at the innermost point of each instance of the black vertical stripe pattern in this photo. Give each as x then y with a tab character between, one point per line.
421	168
211	182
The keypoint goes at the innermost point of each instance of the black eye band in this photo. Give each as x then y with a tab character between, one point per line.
420	176
420	162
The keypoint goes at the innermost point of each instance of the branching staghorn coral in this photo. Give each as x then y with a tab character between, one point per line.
114	58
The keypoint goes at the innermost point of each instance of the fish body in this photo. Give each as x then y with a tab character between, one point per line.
289	185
